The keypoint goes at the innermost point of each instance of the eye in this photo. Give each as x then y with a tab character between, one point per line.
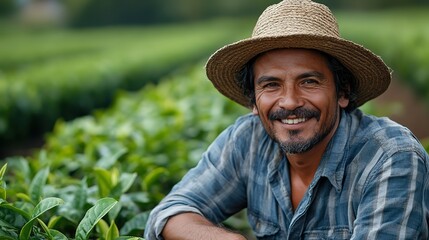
270	85
310	81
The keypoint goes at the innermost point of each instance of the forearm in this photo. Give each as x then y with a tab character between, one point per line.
194	226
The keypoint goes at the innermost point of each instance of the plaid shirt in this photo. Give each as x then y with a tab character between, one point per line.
372	183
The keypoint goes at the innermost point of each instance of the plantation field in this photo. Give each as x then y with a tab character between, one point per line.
68	73
46	75
126	157
132	153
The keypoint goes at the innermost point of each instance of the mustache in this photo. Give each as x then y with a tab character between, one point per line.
298	112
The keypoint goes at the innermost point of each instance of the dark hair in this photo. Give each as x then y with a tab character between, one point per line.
345	82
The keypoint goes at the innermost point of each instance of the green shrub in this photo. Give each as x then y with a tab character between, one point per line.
133	153
67	73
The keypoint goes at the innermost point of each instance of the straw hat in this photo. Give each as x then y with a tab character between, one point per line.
298	24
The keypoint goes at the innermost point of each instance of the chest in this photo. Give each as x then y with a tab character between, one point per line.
322	213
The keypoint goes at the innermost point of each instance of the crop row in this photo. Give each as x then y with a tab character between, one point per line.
133	152
63	74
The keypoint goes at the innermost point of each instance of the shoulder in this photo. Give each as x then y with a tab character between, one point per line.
386	131
246	139
381	133
245	127
379	150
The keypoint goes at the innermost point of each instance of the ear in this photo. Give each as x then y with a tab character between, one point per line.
255	110
343	101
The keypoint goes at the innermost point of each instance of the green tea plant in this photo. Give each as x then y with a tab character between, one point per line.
32	218
124	160
68	73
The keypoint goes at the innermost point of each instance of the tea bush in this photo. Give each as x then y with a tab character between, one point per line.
68	73
126	157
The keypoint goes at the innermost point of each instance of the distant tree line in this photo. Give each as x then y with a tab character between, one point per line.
105	12
88	13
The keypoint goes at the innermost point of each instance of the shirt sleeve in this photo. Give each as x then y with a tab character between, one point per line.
214	188
392	204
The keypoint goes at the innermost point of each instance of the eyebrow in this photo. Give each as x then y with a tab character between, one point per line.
266	79
312	74
301	76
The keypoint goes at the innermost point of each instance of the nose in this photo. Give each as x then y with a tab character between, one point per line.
290	99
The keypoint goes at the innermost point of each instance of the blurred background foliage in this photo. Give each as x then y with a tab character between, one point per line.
90	13
65	58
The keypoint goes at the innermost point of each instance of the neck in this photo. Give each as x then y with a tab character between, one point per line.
304	165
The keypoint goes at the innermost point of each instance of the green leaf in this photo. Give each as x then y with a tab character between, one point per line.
110	159
138	222
74	209
43	206
24	197
81	195
92	216
154	176
7	238
57	235
15	209
37	185
126	180
102	228
113	232
3	194
104	181
5	225
45	228
2	183
53	221
21	170
114	212
2	171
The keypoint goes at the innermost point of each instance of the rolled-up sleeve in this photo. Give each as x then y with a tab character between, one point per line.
214	188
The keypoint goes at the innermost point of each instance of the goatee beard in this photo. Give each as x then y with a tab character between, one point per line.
303	145
298	145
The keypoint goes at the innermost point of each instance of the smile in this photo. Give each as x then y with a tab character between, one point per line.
293	121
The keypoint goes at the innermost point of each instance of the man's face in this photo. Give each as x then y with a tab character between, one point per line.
296	98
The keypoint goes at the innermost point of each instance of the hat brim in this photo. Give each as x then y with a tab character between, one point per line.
372	75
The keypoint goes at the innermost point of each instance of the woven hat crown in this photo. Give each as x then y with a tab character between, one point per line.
291	17
298	24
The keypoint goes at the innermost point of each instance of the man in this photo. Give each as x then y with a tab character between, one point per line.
307	164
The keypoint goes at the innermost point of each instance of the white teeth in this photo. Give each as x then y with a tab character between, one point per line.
293	121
